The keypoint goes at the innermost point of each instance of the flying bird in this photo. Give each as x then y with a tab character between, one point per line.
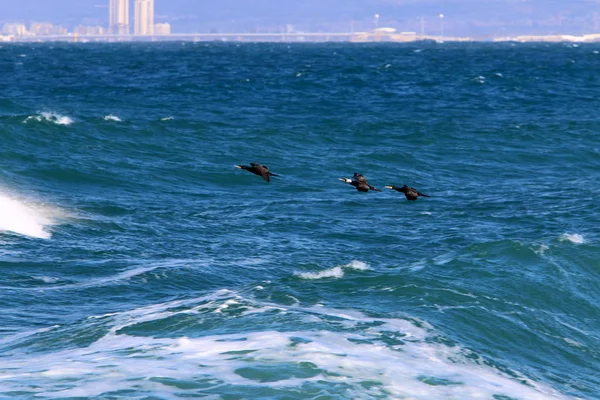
410	193
258	169
360	183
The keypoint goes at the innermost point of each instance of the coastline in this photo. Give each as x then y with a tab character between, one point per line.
352	37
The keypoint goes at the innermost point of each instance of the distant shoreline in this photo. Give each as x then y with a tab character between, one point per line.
354	37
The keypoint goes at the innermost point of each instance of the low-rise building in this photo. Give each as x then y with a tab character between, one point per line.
46	29
85	30
14	29
162	29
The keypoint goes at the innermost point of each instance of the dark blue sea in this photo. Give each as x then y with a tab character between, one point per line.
136	261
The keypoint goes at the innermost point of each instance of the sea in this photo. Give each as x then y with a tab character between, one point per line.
137	261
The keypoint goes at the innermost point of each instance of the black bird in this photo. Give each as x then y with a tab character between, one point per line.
360	183
258	169
410	193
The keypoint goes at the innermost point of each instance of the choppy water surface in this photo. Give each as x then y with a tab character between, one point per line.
137	262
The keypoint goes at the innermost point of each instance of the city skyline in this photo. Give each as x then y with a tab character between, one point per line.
494	19
119	17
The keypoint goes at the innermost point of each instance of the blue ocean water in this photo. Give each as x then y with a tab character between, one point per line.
136	261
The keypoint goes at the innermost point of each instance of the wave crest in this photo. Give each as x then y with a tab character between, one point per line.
335	272
573	238
373	357
19	217
50	117
111	117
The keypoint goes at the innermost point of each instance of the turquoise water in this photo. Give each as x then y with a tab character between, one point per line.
136	261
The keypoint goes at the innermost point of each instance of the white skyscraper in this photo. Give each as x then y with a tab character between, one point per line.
118	16
144	17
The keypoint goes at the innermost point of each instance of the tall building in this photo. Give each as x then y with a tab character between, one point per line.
144	17
118	16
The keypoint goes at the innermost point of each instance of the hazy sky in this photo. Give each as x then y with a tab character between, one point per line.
460	16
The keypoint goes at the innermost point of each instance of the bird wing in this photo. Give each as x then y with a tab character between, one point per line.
359	178
264	172
361	187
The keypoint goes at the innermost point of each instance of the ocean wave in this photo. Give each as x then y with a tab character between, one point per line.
46	279
111	117
50	117
573	238
345	354
541	249
121	278
26	219
334	272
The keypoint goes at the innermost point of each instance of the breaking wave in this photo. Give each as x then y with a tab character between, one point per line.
111	117
50	117
334	272
23	218
573	238
339	353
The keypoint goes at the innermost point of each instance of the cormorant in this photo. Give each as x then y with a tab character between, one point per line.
360	183
258	169
410	193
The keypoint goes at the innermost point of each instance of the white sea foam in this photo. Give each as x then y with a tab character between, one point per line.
541	249
46	279
24	218
357	264
573	238
167	119
334	272
390	357
225	305
50	117
111	117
